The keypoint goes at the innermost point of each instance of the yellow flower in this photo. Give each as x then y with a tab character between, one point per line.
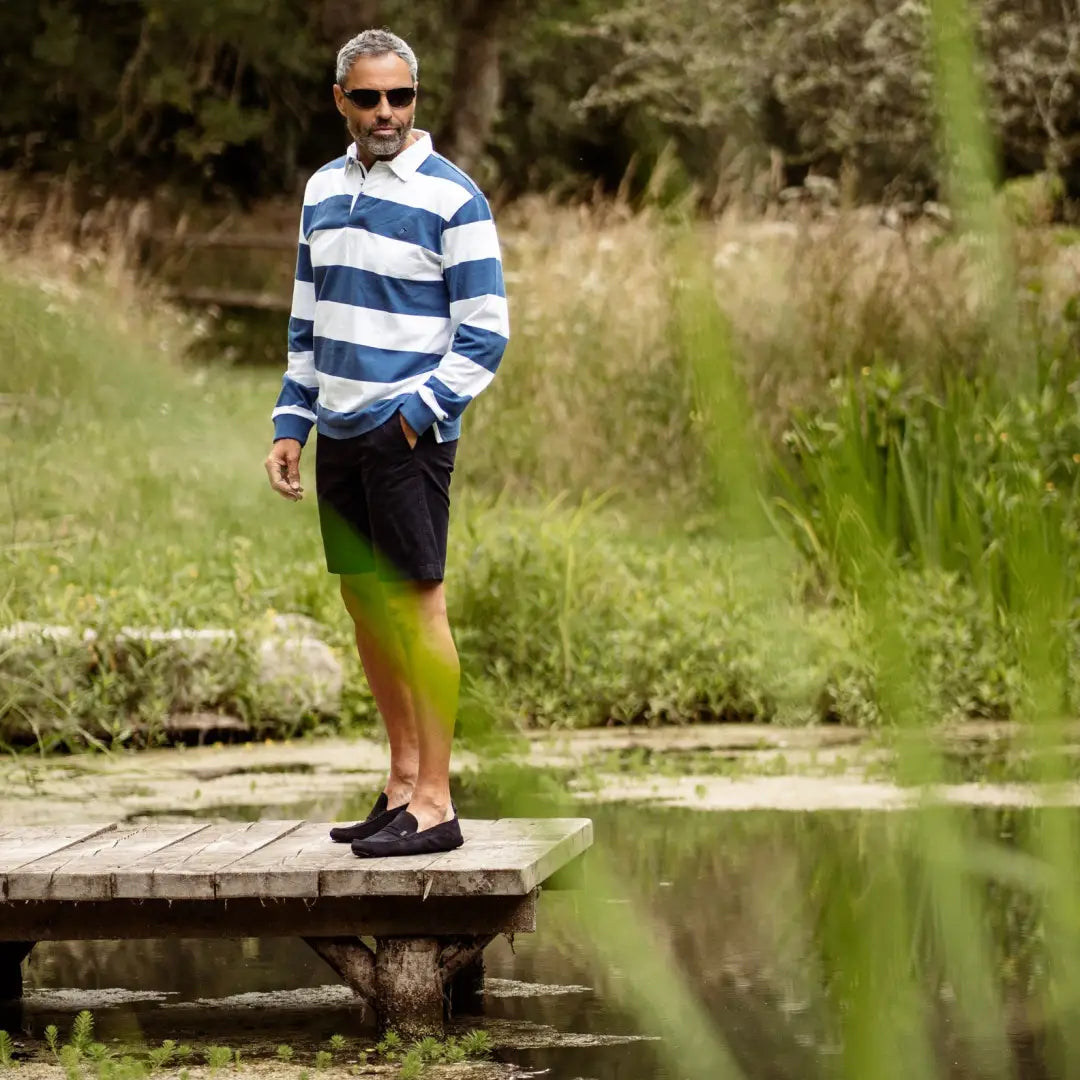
1076	458
1050	485
1004	436
54	569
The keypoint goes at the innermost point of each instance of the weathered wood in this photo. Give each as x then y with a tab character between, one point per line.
499	858
271	859
352	961
287	867
238	298
21	845
113	920
85	871
458	954
12	954
513	867
408	986
190	868
431	915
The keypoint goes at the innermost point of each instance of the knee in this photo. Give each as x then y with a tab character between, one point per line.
362	595
417	608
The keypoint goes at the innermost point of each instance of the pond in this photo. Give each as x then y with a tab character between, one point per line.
738	908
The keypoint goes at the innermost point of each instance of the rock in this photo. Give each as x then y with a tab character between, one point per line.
196	728
281	671
297	673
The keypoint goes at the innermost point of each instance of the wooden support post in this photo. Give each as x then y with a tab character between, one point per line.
409	986
12	954
461	966
352	960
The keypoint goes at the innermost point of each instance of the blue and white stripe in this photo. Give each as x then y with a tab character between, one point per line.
398	301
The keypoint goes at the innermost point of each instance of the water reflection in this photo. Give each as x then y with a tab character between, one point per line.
739	899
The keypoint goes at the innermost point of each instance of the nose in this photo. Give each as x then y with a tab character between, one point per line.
382	110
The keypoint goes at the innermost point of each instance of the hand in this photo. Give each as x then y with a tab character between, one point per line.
410	435
283	468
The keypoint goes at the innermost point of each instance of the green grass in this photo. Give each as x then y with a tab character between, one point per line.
140	501
736	591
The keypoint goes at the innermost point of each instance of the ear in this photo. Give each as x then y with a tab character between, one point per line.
340	100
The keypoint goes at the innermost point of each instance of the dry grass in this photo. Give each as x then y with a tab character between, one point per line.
593	396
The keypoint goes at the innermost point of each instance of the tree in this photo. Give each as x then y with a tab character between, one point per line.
476	82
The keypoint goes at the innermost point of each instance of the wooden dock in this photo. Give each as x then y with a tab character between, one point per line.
431	915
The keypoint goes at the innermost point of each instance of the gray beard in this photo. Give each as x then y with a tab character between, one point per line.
383	146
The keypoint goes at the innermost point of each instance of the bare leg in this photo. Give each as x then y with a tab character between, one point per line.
434	676
379	646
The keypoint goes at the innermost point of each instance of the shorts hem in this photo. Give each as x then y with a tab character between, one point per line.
430	572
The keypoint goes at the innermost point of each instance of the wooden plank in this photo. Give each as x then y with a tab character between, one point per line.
188	870
85	871
25	844
515	865
110	920
287	867
240	298
508	857
403	875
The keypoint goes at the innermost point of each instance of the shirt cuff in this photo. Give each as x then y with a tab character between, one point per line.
291	426
417	414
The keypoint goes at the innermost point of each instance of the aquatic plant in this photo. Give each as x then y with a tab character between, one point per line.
412	1065
82	1031
390	1043
160	1057
476	1043
217	1057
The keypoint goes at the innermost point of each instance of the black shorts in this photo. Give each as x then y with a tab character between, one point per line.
384	507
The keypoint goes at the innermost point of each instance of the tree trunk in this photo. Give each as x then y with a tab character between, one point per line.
476	87
343	19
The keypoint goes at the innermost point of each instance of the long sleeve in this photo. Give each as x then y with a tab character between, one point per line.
294	412
472	271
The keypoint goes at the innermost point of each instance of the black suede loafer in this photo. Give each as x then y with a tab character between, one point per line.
402	837
381	815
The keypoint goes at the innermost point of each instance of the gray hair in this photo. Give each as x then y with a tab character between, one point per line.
373	43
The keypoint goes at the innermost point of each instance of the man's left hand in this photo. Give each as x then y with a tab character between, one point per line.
410	435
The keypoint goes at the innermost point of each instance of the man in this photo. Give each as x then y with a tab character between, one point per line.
399	319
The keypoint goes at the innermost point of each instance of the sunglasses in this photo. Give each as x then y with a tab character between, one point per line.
397	98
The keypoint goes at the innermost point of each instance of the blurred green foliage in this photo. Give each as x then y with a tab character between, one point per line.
232	96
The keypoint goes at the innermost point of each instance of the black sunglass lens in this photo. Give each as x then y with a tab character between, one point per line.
364	98
401	96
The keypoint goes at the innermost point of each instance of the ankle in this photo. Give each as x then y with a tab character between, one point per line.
399	790
435	806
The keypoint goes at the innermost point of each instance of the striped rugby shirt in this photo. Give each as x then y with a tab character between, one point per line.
398	302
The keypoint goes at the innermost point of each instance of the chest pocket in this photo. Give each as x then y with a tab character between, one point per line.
385	219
